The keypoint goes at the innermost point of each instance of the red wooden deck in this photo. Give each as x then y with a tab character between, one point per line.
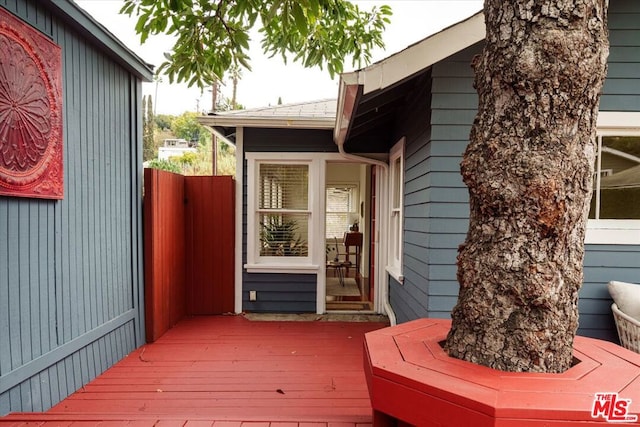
228	371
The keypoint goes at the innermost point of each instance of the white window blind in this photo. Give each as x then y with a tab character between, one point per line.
283	209
341	209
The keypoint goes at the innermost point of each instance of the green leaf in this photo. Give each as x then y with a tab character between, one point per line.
300	19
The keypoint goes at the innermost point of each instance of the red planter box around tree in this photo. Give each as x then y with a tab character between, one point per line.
413	381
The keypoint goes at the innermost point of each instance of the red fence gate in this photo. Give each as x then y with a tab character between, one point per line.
189	247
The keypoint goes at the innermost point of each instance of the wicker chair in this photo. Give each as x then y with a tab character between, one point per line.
628	329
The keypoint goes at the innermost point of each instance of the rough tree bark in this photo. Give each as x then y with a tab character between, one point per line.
529	168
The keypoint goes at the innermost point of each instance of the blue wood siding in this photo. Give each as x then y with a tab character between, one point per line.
409	299
70	270
454	106
602	264
436	200
279	293
621	91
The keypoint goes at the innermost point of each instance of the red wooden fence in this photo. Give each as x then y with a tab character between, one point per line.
164	251
210	233
189	248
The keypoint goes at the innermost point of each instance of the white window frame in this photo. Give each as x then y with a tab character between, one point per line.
262	264
615	231
396	213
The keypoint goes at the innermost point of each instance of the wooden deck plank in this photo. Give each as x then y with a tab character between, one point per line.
227	371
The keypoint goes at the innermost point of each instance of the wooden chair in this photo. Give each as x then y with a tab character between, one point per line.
353	247
340	264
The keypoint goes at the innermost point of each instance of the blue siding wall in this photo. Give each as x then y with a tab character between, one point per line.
454	106
280	293
602	264
70	270
436	199
410	299
621	91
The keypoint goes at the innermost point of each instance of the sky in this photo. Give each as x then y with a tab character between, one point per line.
271	79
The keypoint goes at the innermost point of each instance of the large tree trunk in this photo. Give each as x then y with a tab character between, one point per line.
529	168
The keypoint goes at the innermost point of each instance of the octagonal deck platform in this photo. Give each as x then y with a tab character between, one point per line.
413	381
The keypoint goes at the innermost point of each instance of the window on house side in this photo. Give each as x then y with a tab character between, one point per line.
617	179
396	179
342	202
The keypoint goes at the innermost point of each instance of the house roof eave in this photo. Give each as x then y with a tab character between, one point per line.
271	122
401	66
70	12
423	54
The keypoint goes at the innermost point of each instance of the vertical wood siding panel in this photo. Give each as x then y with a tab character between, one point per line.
126	215
117	142
52	211
70	229
15	402
54	386
99	133
105	218
95	214
5	284
23	284
83	236
137	258
25	396
94	192
125	195
44	387
109	191
5	403
43	293
94	360
33	385
91	193
33	276
98	358
14	287
62	378
114	168
114	102
102	348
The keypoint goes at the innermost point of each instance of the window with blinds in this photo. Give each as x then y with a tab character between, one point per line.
341	209
283	209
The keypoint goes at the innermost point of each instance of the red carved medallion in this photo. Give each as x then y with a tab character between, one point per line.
30	112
